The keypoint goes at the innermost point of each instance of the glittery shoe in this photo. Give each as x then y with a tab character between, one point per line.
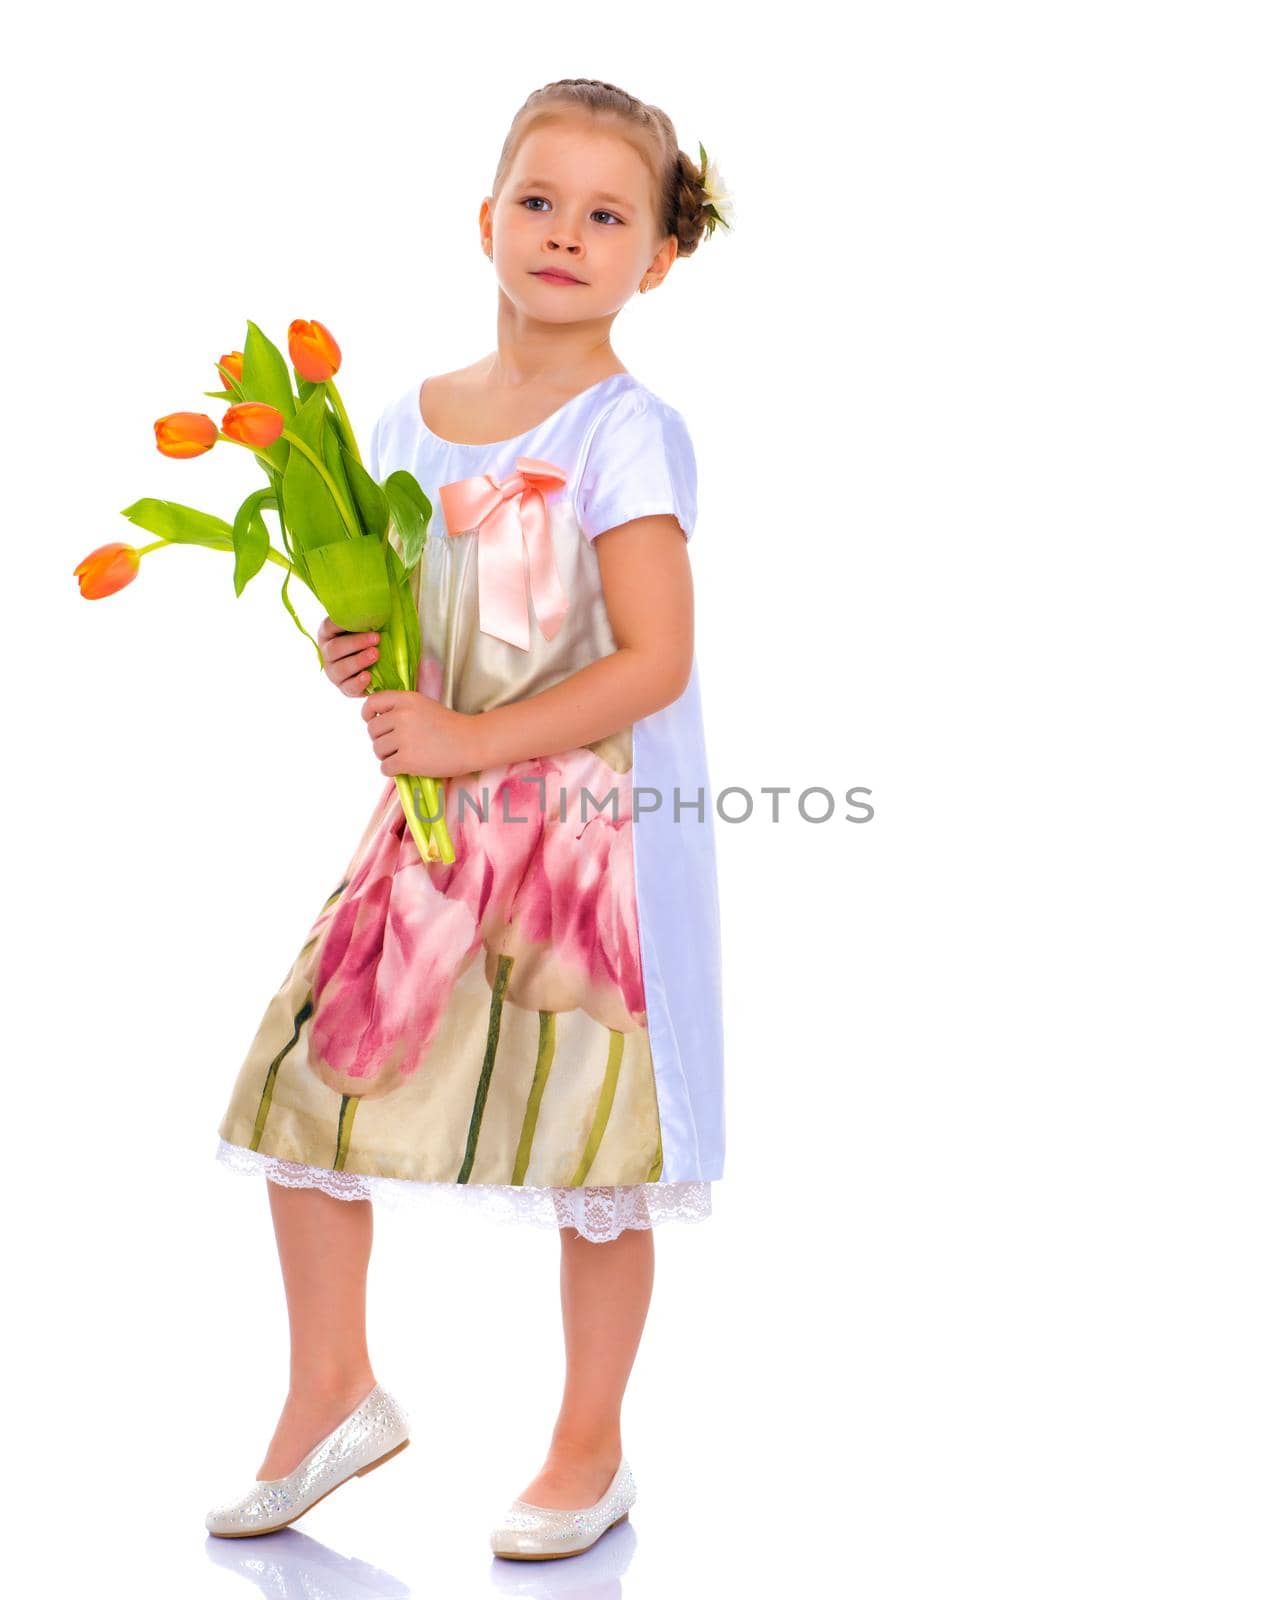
538	1533
374	1432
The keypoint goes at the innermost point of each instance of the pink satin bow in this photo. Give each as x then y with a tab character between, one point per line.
511	517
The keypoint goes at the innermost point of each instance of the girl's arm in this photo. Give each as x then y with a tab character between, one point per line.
648	592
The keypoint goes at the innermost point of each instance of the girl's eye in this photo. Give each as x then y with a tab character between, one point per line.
543	197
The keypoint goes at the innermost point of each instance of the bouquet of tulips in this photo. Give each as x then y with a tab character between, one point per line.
335	520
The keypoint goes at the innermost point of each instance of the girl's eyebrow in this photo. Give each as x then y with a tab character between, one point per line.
546	183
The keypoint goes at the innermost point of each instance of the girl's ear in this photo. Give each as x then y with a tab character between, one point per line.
661	263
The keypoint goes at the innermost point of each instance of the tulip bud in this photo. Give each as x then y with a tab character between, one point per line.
234	363
185	433
107	569
313	351
253	423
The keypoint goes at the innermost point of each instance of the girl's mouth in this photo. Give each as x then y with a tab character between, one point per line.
551	276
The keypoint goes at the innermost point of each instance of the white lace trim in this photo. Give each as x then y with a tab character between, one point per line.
599	1213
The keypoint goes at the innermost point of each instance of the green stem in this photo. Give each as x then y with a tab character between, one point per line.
272	553
486	1071
432	814
344	422
400	602
268	1087
433	836
429	811
346	1116
541	1072
603	1107
348	516
344	510
393	654
418	828
438	827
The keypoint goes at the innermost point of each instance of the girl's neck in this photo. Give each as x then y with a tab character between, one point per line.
500	372
543	356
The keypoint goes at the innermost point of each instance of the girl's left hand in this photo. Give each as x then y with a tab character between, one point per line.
414	734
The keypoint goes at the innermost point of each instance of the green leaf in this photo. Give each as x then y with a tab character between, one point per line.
350	581
288	605
313	517
333	453
409	621
371	504
265	377
251	538
180	524
265	373
410	512
309	421
295	554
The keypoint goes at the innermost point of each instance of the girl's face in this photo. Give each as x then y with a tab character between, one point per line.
577	200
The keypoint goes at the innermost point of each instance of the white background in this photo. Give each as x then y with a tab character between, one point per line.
984	390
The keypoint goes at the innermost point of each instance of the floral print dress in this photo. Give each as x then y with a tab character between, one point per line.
534	1028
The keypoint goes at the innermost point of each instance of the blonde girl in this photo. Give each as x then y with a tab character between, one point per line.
534	1027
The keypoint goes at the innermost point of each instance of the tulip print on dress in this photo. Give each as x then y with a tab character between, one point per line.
486	1021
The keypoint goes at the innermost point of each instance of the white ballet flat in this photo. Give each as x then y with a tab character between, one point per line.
538	1533
374	1432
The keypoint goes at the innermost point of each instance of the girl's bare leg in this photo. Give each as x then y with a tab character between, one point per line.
324	1247
604	1298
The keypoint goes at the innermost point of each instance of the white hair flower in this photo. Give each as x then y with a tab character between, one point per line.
718	203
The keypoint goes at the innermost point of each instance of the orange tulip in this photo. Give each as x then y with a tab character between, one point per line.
185	433
107	569
254	423
313	351
234	363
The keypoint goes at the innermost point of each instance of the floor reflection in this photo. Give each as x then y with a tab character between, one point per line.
290	1565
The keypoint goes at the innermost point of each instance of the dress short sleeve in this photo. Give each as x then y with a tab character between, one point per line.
639	463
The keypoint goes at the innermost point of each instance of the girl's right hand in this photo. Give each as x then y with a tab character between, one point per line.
347	657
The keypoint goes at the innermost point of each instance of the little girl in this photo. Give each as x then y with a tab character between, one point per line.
535	1026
